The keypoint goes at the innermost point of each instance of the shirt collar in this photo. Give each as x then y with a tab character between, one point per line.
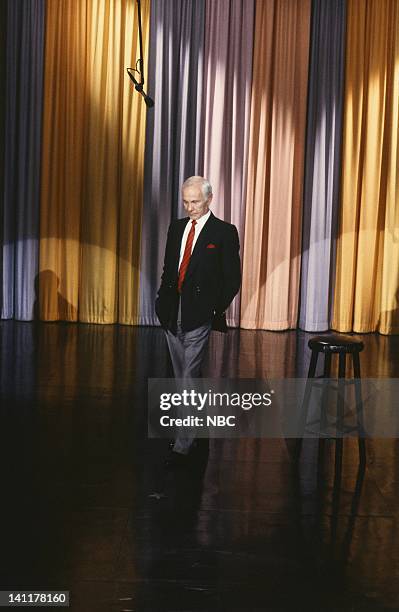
201	221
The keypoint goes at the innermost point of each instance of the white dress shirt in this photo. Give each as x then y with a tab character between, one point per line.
198	227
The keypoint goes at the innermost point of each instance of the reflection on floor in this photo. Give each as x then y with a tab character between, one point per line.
87	505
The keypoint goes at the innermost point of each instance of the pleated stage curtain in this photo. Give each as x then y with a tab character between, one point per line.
289	107
367	274
272	248
92	164
229	39
173	130
22	142
322	162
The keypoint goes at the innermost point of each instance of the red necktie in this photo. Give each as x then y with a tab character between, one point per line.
186	257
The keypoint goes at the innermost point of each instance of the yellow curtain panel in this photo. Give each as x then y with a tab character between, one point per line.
92	162
272	247
367	271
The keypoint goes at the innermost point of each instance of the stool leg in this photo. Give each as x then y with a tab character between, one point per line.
313	364
305	402
359	409
342	365
340	414
323	420
327	365
323	416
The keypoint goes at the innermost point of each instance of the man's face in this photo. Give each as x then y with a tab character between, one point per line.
194	202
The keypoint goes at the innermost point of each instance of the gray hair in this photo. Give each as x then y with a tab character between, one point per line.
205	185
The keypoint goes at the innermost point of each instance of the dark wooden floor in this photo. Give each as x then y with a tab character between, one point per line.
87	506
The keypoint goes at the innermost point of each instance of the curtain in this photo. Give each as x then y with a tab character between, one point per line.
172	136
367	273
229	38
272	248
92	166
22	135
322	162
302	156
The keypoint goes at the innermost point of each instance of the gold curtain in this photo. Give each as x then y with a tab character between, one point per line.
92	162
271	255
367	271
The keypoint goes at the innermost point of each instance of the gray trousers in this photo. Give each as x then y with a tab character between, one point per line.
187	350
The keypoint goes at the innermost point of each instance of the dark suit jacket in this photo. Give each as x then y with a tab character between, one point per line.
212	279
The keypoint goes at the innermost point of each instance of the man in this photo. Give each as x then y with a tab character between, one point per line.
201	276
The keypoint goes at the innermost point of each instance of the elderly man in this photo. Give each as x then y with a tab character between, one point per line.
201	276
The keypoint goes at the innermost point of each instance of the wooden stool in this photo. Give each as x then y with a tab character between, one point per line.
341	345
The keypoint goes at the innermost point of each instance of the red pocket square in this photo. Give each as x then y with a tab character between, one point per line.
211	246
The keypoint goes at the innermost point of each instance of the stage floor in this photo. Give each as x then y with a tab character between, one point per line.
88	507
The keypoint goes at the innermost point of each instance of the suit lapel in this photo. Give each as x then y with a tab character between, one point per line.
178	238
